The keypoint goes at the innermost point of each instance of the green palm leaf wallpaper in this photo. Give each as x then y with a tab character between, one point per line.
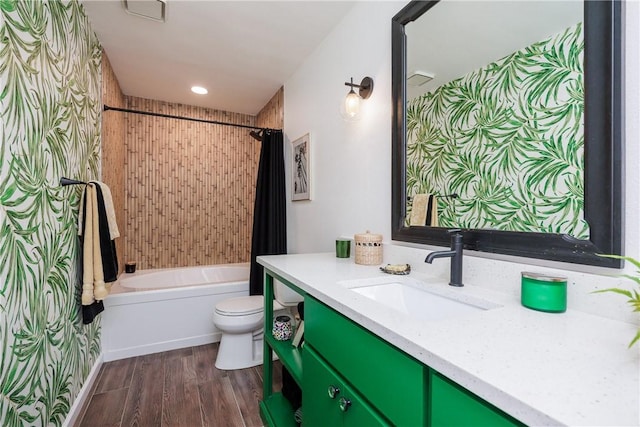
50	107
508	139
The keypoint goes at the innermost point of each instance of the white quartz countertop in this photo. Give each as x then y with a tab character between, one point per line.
570	368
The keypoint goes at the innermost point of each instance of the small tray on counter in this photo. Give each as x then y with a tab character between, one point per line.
397	269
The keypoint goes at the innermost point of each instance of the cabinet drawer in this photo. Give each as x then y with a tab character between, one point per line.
321	409
452	405
391	381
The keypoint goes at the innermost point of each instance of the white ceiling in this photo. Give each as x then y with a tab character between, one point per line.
241	51
456	37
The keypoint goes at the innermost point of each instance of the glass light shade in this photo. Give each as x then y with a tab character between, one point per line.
199	90
352	104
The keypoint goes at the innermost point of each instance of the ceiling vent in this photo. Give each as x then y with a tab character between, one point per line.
418	78
150	9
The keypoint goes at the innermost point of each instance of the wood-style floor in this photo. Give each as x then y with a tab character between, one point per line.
176	388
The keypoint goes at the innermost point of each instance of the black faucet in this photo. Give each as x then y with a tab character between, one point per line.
455	254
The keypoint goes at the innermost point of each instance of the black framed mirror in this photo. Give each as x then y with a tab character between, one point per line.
602	175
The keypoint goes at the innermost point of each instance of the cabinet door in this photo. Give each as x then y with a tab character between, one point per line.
392	382
452	406
327	399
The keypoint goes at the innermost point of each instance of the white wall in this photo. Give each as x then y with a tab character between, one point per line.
351	162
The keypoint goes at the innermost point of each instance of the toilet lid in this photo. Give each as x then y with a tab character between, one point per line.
240	306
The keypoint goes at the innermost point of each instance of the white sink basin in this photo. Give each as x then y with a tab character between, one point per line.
410	297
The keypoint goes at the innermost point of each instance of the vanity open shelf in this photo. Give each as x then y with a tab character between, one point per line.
275	409
290	356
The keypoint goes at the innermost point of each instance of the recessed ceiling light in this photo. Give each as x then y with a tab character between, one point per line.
199	90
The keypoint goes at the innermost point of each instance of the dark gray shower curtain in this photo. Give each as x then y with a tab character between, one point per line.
269	214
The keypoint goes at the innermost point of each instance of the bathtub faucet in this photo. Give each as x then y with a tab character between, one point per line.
456	257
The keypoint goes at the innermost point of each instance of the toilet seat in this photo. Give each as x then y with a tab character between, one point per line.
241	306
244	306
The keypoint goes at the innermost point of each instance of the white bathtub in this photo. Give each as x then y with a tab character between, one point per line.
186	276
159	310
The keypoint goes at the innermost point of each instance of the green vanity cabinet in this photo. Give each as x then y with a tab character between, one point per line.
330	401
392	382
351	377
451	405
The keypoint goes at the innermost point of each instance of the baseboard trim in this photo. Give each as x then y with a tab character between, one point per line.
77	409
124	353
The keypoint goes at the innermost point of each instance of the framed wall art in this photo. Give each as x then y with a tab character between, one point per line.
300	176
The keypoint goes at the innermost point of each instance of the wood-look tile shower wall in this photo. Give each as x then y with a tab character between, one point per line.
272	114
190	186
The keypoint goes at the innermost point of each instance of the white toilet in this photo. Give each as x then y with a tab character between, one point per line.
241	322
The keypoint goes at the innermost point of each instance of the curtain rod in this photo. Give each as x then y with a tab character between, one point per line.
170	116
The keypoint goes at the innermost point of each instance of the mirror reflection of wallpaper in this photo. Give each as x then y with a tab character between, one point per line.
50	107
508	139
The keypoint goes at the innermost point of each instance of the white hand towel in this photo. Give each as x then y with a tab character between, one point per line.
419	210
108	204
111	212
87	246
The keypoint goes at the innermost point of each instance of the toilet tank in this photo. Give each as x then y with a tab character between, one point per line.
284	295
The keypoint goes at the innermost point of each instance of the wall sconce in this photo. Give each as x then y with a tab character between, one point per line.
352	101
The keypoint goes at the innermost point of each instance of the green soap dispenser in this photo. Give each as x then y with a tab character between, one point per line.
543	292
